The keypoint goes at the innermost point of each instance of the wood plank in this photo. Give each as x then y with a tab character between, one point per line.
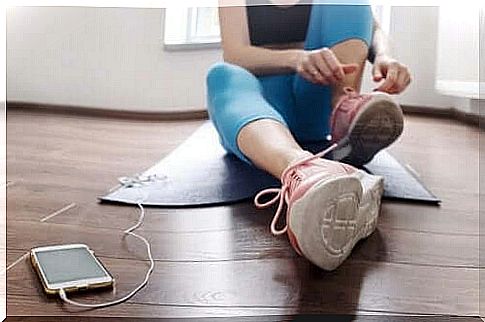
31	201
189	314
432	219
247	242
437	171
277	283
222	261
443	170
149	313
263	318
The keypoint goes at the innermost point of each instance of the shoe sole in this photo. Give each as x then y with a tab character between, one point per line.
370	205
374	128
333	216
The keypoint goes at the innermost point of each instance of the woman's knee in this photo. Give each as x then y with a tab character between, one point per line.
335	23
224	76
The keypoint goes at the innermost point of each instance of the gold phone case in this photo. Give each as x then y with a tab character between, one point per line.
50	291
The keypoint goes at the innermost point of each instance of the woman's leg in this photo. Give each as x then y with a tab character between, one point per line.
249	126
347	30
269	145
257	132
323	197
348	52
361	124
316	224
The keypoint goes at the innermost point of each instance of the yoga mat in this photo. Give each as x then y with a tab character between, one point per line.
200	172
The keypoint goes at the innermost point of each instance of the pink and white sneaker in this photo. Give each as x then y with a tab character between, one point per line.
364	124
330	207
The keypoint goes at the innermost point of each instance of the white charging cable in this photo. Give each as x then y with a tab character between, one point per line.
126	182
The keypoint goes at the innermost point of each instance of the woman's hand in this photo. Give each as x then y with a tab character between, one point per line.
322	67
396	76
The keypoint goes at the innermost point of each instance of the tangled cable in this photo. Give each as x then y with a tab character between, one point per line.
127	182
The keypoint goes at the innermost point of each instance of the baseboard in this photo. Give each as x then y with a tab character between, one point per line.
199	114
460	89
449	113
168	115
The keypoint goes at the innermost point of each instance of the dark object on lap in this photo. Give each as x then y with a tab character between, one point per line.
200	173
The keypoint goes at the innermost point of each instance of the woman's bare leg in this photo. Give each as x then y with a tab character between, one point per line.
353	51
269	145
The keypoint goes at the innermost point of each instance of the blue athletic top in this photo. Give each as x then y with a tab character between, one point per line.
271	24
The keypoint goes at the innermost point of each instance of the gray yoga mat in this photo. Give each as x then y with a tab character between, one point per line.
200	173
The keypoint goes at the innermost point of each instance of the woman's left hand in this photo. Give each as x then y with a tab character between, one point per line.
396	76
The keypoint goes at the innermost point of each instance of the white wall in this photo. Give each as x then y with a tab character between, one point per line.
414	35
100	57
458	50
113	58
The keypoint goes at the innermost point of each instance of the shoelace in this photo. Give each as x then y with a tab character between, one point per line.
287	185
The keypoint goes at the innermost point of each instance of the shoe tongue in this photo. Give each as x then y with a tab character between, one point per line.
319	167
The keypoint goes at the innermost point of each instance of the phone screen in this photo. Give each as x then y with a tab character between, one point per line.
65	265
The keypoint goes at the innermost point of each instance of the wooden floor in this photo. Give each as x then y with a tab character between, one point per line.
222	261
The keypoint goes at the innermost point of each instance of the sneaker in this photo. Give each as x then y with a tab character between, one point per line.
330	207
362	125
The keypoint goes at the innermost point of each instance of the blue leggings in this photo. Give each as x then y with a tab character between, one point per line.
236	97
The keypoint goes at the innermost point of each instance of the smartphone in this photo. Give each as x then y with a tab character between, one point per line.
70	267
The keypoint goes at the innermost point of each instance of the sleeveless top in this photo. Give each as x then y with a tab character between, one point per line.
271	24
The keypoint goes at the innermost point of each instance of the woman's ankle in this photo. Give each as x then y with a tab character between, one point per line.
340	92
288	158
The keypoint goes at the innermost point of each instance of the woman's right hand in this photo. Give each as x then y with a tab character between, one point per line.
321	66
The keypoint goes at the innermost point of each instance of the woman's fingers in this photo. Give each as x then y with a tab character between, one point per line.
396	75
308	76
390	80
306	69
323	67
401	82
324	74
314	74
377	73
318	70
333	64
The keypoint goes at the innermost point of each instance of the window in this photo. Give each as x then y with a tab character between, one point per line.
191	28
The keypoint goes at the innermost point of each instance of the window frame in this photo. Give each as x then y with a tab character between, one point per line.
189	40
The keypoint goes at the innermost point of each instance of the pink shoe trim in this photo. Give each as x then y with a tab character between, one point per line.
294	242
350	93
304	187
281	194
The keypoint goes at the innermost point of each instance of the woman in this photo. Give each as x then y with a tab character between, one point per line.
292	75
